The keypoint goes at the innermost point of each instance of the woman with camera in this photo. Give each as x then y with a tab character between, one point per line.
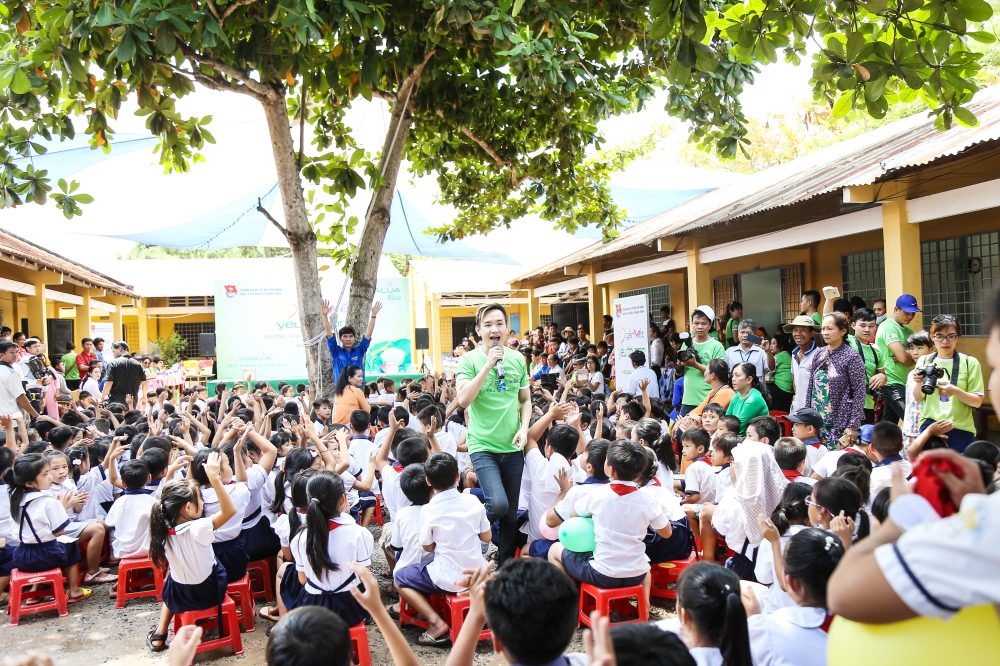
949	384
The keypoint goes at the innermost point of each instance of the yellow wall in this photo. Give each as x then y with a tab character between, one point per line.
678	294
164	326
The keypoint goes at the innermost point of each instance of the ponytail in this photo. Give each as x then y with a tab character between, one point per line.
664	449
810	558
792	507
25	470
75	455
734	642
300	500
325	491
296	461
177	493
710	595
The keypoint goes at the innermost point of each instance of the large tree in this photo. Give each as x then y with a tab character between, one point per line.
500	99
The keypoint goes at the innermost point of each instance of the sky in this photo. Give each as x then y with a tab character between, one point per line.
133	194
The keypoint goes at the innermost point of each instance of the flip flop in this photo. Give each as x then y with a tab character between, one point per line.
427	640
99	578
87	592
265	612
113	591
392	613
153	636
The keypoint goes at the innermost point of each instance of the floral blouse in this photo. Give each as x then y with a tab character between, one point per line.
837	385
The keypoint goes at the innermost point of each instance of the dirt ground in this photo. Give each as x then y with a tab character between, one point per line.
95	632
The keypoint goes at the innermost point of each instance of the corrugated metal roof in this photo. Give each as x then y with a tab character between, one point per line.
465	277
863	160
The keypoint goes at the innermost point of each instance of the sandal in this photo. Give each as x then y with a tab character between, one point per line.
153	637
394	614
113	591
87	592
266	613
99	578
427	640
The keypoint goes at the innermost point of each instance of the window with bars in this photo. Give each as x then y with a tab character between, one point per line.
725	290
546	320
132	337
190	331
657	297
791	291
958	276
863	274
188	301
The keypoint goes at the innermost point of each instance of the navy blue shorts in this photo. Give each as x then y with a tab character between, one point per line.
35	557
540	548
367	501
580	567
342	603
416	578
180	598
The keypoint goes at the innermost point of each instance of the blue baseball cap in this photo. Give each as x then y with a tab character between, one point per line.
907	303
866	433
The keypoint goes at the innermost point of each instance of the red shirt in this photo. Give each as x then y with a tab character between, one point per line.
83	362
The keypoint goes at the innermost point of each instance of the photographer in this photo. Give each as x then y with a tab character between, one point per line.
949	384
694	356
11	390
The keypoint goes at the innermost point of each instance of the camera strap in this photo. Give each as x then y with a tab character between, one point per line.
956	365
861	348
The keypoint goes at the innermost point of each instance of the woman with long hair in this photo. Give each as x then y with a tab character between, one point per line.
349	395
748	403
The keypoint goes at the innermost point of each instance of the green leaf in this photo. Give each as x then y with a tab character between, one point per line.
126	48
965	117
975	10
518	4
20	83
165	40
105	15
843	105
982	37
855	42
83	198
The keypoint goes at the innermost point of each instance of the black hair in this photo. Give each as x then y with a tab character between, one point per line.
649	470
638	644
197	467
887	438
726	442
43	428
627	459
325	490
360	420
134	474
988	452
854	459
157	461
310	636
837	494
633	410
442	471
789	453
714	408
279	439
177	493
296	461
24	471
345	375
6	461
860	477
300	500
792	508
72	419
36	447
813	297
732	423
76	454
413	483
531	607
843	306
710	595
562	439
750	370
413	450
766	427
880	504
698	436
864	314
60	436
810	558
156	442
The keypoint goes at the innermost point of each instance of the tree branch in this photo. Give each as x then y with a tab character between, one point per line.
263	211
233	7
210	82
259	88
215	12
515	180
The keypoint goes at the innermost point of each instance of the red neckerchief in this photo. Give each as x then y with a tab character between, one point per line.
333	524
827	622
656	482
171	531
704	459
302	511
851	449
398	467
791	474
621	489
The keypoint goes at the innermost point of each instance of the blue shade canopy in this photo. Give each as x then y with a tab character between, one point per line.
62	159
235	224
406	236
642	204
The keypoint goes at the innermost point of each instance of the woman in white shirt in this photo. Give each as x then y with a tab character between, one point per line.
92	384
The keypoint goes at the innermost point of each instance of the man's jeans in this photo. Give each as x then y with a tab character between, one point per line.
499	476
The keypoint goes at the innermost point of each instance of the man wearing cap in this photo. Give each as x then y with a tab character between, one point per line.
801	329
696	389
892	336
126	376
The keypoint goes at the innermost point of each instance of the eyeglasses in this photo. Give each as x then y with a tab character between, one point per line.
951	337
810	502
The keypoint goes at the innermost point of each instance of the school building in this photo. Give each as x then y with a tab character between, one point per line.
905	208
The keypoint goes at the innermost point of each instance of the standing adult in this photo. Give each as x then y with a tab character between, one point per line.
863	341
837	383
735	311
32	359
349	396
879	307
891	336
69	363
493	388
656	350
744	351
125	376
346	352
11	390
640	372
801	329
809	303
85	358
99	354
695	386
779	358
669	327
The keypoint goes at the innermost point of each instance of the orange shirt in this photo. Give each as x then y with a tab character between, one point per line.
722	397
351	399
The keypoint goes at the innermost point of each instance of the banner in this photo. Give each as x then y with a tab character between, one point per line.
631	333
106	330
258	334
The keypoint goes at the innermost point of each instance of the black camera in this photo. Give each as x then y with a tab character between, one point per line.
931	373
688	353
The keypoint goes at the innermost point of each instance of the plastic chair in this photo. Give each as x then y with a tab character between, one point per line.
456	609
666	573
134	573
241	593
604	601
209	619
19	580
359	645
260	572
378	511
782	419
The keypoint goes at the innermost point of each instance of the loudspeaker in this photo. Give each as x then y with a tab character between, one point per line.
206	344
422	337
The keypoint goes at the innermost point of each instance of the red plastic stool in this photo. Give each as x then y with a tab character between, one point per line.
408	615
105	551
209	619
665	573
242	593
359	645
782	419
456	609
378	511
604	601
260	571
136	572
19	580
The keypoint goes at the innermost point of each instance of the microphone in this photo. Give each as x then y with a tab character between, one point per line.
499	364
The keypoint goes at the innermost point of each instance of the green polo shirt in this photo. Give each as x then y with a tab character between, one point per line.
783	371
748	408
970	379
494	415
890	331
696	389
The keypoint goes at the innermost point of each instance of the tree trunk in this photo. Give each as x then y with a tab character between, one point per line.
302	241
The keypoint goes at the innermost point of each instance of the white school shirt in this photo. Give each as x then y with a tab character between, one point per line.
642	372
665	476
350	476
703	656
189	551
816	455
826	465
95	482
620	525
360	450
391	492
544	488
723	479
882	477
283	530
564	509
92	387
46	515
241	498
699	478
453	521
448	444
267	492
8	528
256	482
456	430
406	537
349	542
774	598
791	636
129	516
665	497
728	520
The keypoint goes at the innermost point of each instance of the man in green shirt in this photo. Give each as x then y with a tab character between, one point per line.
892	335
72	372
871	354
810	306
696	389
492	386
733	325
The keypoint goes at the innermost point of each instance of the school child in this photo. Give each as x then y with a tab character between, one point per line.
407	547
918	345
181	538
542	465
91	532
681	541
362	451
790	454
790	518
40	520
836	505
827	465
158	461
699	478
432	419
130	514
322	409
593	465
637	644
711	619
722	459
407	447
763	429
650	433
711	417
449	526
8	536
887	443
285	527
90	480
797	635
728	423
228	546
622	515
254	459
281	485
323	549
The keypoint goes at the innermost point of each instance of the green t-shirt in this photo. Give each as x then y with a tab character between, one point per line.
818	318
783	371
69	365
748	408
696	389
970	379
494	416
888	332
874	358
732	330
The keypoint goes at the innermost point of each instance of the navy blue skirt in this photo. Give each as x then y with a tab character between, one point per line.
677	547
341	603
35	557
291	588
261	541
6	559
232	555
211	592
